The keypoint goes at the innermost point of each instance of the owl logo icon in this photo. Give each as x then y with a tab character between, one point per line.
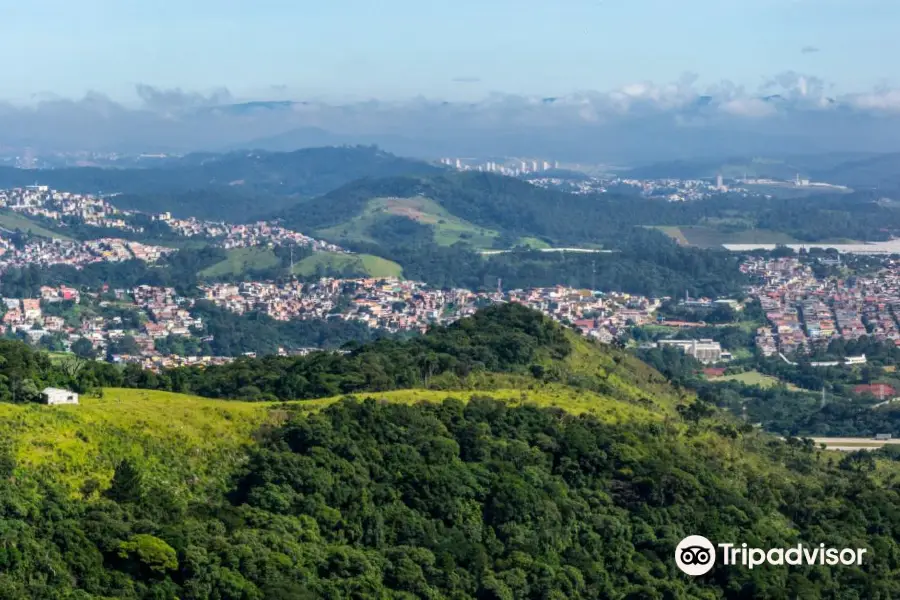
695	555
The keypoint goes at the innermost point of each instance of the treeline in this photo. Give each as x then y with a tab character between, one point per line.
178	269
643	262
499	339
469	501
230	334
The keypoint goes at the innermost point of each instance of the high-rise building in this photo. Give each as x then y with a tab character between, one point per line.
719	182
534	166
546	165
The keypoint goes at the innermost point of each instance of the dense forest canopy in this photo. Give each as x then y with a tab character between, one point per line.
466	498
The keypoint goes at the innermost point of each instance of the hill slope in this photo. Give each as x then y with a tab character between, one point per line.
447	229
354	265
871	172
187	442
473	488
465	200
239	261
233	186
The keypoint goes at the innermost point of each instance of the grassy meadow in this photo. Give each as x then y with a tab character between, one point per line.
242	260
374	266
448	229
186	441
12	220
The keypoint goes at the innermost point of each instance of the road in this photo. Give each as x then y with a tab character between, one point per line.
850	444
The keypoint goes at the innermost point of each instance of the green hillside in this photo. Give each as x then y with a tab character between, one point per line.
235	186
353	264
447	228
177	437
13	221
456	205
502	457
240	261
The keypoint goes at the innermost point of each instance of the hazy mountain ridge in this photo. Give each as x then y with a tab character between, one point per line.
231	187
854	169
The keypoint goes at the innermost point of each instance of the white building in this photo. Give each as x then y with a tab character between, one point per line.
706	351
55	396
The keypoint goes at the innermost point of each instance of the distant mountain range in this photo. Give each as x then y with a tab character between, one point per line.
233	186
792	115
857	170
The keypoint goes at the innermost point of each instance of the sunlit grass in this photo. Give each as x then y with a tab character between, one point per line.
185	440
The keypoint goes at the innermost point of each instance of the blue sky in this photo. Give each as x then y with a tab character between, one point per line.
400	48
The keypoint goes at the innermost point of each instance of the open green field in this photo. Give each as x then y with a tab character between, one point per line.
755	378
674	233
12	221
533	242
660	329
185	441
703	236
374	266
715	232
448	229
242	260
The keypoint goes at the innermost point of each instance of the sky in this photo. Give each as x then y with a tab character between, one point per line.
455	50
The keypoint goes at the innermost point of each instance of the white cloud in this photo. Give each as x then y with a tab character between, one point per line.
186	120
748	107
887	100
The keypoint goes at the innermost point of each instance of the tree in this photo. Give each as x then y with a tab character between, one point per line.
25	390
84	348
7	460
126	345
151	552
71	365
127	483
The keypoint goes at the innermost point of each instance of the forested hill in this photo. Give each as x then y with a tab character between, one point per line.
513	208
506	204
502	345
521	462
232	186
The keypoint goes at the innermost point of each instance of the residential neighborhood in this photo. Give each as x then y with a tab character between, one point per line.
805	311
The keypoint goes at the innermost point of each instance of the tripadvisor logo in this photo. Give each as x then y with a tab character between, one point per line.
696	555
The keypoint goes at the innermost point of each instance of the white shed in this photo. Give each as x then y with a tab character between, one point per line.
54	396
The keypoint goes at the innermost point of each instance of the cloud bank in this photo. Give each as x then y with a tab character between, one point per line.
790	112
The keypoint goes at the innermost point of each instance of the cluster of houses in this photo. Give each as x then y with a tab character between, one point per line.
805	311
45	253
261	233
400	305
41	201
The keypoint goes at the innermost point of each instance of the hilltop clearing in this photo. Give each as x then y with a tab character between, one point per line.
240	261
350	265
447	229
185	442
